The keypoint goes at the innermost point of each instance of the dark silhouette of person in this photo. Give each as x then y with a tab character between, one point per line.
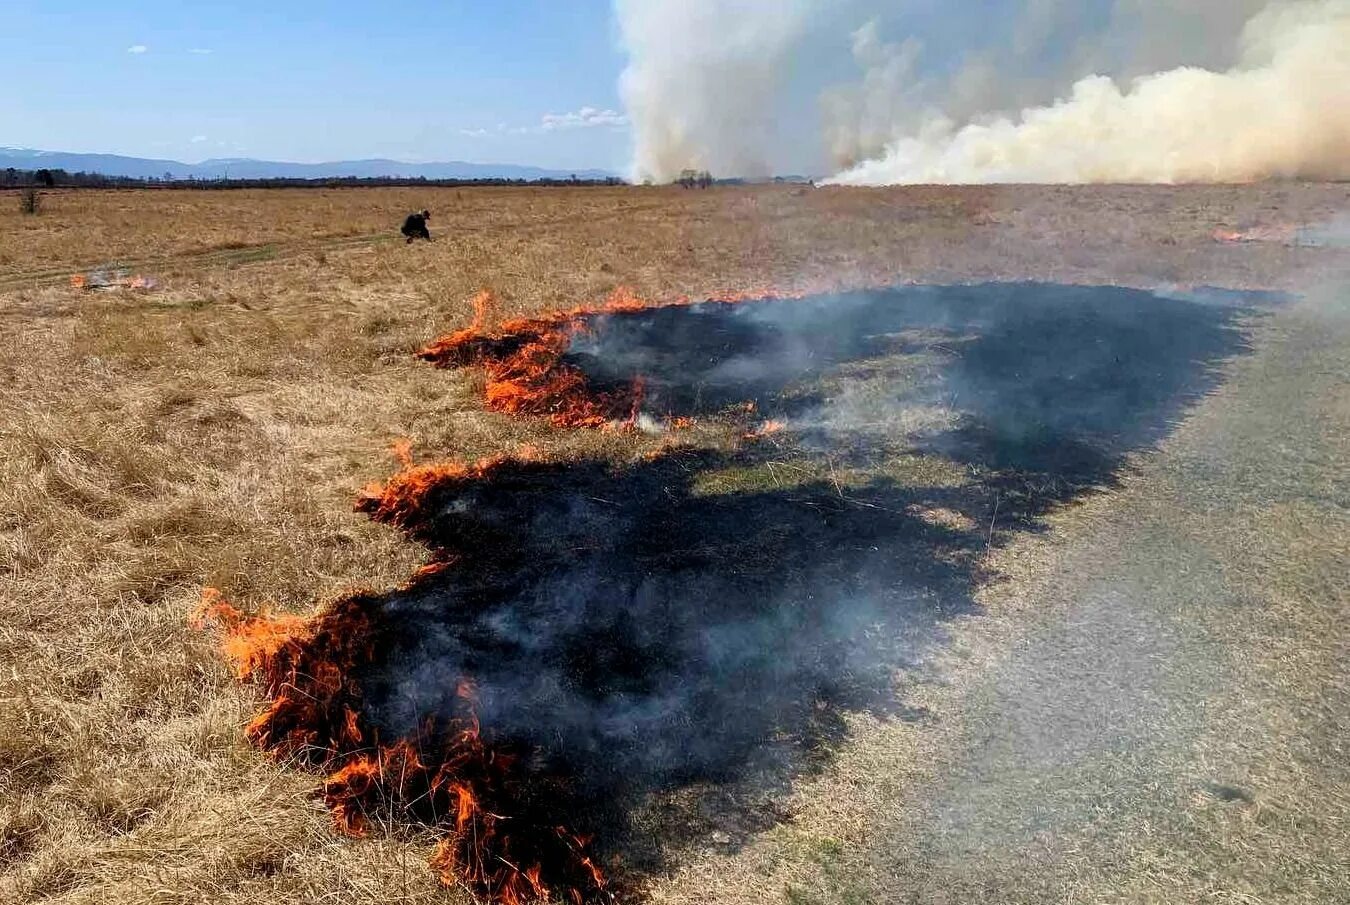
415	227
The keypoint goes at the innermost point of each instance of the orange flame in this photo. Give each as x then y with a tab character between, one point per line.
767	429
1280	232
251	642
402	451
398	501
445	774
523	360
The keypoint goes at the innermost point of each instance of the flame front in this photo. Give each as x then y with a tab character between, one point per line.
523	362
445	775
476	789
525	367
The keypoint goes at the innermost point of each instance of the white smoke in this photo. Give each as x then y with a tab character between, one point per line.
862	119
702	80
1109	90
1283	111
1050	44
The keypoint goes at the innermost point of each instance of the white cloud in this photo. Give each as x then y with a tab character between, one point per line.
201	51
138	49
585	118
198	139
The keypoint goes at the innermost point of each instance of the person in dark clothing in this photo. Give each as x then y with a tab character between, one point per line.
415	227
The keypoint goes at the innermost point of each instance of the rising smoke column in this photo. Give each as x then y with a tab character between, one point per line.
702	80
1108	90
1282	112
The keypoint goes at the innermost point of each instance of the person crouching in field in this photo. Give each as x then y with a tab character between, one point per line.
415	227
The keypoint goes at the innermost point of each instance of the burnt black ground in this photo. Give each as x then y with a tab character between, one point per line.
1034	367
1152	705
636	635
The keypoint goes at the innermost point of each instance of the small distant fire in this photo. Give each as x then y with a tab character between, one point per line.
1334	233
1284	233
111	280
768	429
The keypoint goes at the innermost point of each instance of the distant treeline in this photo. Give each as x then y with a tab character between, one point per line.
14	178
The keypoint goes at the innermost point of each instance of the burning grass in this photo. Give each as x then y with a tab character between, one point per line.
565	657
445	774
217	432
526	374
590	637
523	362
799	361
527	366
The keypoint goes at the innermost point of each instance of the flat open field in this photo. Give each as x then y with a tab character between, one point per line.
1101	656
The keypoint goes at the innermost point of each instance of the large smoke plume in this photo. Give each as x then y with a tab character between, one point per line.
1030	91
703	78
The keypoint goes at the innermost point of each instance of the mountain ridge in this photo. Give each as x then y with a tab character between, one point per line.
249	168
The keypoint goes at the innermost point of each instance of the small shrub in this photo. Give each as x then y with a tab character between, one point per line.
30	202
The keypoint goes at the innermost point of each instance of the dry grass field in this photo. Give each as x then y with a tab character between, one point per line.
215	431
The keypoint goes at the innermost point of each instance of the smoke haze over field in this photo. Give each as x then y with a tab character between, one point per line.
1026	91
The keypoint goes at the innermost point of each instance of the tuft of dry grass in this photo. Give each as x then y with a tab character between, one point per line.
216	431
30	201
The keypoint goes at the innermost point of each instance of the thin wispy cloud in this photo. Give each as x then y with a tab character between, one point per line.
198	139
201	51
138	49
585	118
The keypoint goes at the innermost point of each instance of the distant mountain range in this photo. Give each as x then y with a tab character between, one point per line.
241	168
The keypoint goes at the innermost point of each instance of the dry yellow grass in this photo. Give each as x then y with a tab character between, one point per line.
216	431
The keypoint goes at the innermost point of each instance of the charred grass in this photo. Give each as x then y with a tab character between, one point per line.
216	432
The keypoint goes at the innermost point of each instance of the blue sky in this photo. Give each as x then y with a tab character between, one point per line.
512	81
521	81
